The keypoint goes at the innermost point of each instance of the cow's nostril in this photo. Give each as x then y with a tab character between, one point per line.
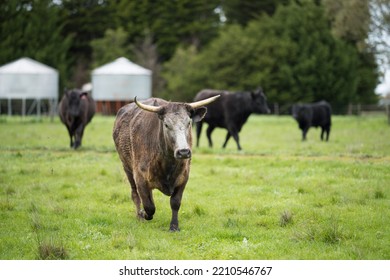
183	153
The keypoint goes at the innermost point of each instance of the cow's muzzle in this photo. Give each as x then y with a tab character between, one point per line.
182	153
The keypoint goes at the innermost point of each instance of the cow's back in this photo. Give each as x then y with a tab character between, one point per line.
135	127
215	110
321	114
122	130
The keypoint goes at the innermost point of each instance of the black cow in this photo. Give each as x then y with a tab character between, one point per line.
313	114
76	110
230	111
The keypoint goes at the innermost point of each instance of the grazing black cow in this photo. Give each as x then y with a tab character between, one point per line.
76	110
313	114
230	111
153	140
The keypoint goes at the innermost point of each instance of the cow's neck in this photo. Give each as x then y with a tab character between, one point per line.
170	169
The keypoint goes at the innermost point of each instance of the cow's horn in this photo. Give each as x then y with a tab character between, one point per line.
150	108
203	102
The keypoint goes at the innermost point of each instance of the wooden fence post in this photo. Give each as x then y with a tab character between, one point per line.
276	108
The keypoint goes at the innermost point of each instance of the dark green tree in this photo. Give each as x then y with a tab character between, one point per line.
84	21
292	55
309	64
182	76
111	46
243	11
350	21
170	23
34	29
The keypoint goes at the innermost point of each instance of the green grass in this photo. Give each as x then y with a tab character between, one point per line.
279	198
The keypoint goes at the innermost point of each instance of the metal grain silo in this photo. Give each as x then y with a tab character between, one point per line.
118	82
27	79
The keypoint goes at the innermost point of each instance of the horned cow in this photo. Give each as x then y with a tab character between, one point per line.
153	140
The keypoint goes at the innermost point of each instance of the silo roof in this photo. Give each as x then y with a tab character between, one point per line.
121	66
26	65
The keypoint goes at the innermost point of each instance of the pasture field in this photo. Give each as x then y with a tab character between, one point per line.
279	198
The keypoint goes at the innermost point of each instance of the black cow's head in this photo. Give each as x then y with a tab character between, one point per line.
176	119
259	102
74	97
300	111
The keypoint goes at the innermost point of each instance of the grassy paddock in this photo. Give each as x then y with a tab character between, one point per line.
280	198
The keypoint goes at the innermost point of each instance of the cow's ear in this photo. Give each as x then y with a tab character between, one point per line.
84	93
198	114
161	113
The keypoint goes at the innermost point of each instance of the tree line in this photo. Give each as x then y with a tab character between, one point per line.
296	50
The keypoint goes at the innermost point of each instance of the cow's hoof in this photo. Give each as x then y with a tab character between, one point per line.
174	228
141	215
148	218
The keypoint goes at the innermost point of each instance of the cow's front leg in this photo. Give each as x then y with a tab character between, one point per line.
322	133
208	133
226	140
175	206
70	135
145	193
304	132
134	194
79	135
233	131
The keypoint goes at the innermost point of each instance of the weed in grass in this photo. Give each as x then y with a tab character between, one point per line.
232	235
232	223
335	199
67	186
328	232
286	218
263	211
118	241
231	211
115	196
332	233
51	250
33	208
36	224
379	194
199	211
307	234
59	210
212	171
131	241
10	191
6	205
319	204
